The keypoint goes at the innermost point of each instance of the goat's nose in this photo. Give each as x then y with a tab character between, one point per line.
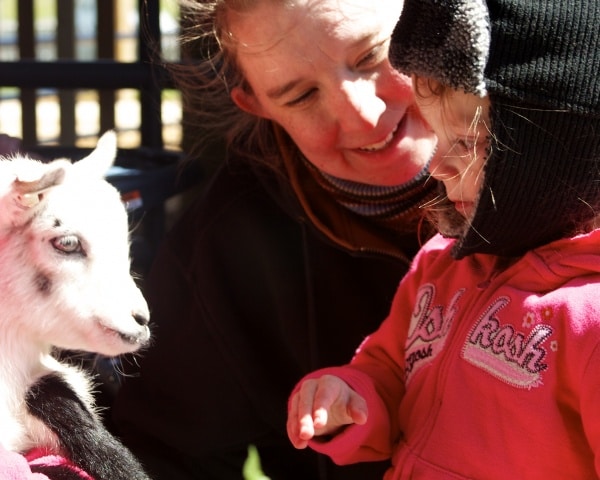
141	318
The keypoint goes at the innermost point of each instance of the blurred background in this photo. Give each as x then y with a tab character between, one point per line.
42	110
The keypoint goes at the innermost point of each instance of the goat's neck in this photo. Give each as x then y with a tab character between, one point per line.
21	364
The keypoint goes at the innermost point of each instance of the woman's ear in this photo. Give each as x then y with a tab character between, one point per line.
247	102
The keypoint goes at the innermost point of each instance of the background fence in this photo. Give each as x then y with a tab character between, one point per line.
72	69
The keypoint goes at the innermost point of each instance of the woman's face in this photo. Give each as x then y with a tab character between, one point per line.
320	69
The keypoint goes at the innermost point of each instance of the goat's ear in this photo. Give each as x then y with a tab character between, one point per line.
32	179
102	158
29	192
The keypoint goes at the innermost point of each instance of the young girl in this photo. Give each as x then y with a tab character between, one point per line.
487	366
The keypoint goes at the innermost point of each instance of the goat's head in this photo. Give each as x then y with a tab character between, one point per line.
64	255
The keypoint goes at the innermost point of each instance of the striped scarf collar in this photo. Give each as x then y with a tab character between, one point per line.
378	202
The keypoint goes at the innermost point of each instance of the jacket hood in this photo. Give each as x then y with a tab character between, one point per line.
552	265
538	61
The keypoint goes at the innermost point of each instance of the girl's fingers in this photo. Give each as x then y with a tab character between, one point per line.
306	405
300	421
357	409
322	406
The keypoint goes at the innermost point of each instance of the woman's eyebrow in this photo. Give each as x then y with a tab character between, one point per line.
279	91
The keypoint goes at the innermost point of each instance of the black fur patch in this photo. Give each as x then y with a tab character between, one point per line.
83	438
43	283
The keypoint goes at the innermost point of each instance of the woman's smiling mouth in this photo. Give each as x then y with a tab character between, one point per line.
380	145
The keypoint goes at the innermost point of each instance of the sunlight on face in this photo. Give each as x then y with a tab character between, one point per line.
461	123
320	69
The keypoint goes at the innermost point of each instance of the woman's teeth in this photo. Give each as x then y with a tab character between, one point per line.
380	145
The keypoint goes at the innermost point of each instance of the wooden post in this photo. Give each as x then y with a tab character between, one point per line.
105	45
66	40
27	51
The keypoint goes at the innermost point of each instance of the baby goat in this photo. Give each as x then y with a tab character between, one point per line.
64	283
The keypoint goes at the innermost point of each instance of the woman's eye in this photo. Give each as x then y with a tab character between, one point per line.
67	244
374	56
304	97
367	60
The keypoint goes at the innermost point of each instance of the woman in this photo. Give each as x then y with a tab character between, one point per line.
293	253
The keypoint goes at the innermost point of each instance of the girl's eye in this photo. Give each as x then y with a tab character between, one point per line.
67	244
466	144
462	147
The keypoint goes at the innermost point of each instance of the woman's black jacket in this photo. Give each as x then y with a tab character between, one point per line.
246	297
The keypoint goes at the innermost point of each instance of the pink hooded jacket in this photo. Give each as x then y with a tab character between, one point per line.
484	372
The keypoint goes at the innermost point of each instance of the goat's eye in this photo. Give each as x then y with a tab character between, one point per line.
67	244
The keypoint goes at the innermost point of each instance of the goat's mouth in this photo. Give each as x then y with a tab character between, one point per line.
138	338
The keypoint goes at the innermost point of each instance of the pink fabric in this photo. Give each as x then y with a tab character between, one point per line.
14	466
41	457
484	372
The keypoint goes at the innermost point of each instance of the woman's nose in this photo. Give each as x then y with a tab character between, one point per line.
358	106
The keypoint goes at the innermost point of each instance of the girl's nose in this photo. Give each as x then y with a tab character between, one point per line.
358	106
441	166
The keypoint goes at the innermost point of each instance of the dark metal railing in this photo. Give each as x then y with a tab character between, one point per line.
104	75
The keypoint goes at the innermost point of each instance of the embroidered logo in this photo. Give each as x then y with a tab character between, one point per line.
509	355
428	329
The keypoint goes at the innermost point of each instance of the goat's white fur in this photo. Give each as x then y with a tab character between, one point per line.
85	300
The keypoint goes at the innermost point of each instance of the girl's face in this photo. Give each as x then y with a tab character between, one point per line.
461	123
320	69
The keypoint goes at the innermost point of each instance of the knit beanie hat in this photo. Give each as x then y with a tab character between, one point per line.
539	62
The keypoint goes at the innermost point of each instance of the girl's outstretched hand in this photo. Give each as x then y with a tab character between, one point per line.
323	406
